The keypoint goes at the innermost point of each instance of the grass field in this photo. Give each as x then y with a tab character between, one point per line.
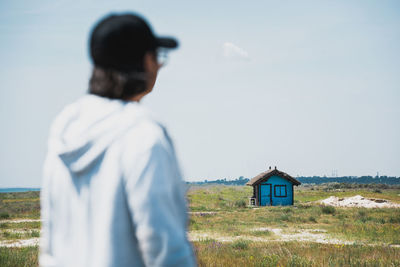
20	205
225	232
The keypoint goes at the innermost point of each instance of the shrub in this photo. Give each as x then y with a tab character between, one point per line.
394	219
312	219
12	235
240	203
328	210
362	216
285	217
262	233
4	215
362	213
299	261
241	244
380	220
270	260
35	233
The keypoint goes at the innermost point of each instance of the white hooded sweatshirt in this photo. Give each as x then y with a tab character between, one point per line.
112	193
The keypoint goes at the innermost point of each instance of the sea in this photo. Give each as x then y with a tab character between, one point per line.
18	189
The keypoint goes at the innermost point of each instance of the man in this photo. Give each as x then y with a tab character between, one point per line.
112	193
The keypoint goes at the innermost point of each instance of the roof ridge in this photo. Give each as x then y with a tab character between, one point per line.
269	173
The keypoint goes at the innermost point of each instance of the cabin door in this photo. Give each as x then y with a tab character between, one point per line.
266	195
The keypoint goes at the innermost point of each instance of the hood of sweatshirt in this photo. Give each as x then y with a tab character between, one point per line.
85	129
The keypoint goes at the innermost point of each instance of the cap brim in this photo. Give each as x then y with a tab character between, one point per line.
167	42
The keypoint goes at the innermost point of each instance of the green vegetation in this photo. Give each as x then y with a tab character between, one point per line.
328	210
226	232
240	244
217	198
213	253
16	257
18	234
354	224
4	215
20	205
20	225
364	235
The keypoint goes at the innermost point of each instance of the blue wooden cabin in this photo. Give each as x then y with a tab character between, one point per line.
272	188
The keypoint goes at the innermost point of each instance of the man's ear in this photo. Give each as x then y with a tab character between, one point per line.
151	67
149	62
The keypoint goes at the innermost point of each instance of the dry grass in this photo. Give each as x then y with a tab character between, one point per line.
20	205
213	253
371	231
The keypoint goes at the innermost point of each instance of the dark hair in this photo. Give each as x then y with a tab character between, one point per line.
115	84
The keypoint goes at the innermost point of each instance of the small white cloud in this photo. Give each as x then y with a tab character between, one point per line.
232	51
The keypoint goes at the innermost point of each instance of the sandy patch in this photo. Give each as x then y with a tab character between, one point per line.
20	221
306	235
359	202
20	243
19	231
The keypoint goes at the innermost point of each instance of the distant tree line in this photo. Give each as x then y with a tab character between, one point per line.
389	180
351	180
239	181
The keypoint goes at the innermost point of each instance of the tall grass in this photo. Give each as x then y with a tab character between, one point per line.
17	257
294	254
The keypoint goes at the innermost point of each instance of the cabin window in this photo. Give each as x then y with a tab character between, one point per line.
280	191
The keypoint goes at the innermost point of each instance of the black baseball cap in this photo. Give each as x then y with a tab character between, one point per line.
119	42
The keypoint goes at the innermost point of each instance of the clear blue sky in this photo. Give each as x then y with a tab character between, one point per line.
308	86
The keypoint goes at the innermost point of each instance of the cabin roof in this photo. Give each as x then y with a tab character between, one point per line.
265	175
